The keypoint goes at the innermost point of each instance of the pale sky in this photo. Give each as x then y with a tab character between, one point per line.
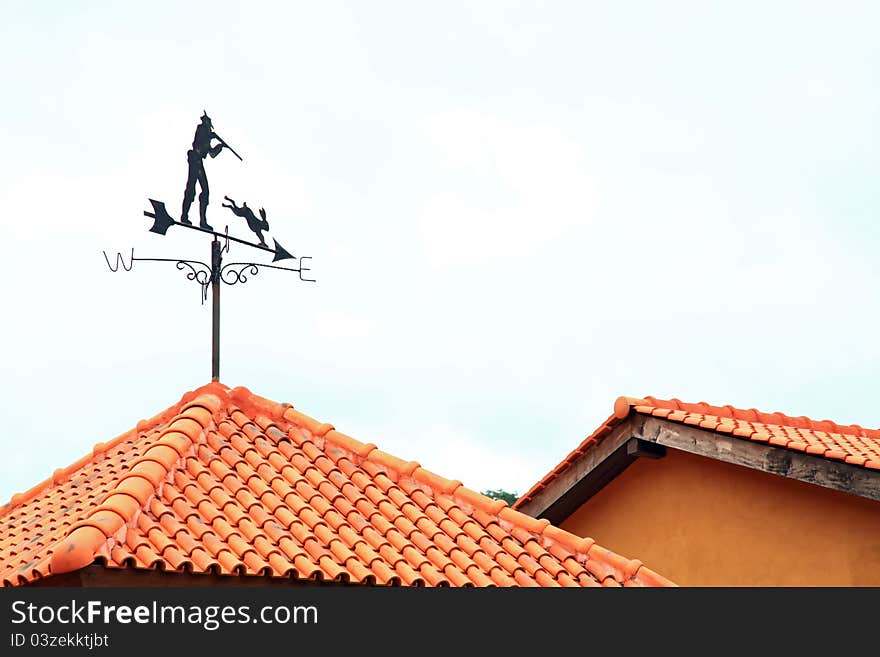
517	211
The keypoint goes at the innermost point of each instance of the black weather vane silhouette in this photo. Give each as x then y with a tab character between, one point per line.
217	272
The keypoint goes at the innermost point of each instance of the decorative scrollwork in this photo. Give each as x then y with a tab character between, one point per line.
201	275
238	272
231	273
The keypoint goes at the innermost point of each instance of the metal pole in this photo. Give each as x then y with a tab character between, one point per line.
215	310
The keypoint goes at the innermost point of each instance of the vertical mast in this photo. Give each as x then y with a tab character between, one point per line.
215	310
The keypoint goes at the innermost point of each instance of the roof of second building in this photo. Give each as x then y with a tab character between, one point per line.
851	444
230	483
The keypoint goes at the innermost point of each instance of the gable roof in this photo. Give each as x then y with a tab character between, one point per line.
229	483
850	444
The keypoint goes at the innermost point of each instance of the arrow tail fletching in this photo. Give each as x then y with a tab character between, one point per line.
162	220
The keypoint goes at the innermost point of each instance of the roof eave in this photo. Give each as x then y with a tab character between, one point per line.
641	435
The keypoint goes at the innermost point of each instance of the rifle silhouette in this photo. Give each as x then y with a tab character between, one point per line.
227	146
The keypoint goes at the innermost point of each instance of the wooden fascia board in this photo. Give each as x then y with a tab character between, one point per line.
800	466
550	501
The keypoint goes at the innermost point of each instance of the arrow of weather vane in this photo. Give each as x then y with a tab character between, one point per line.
207	143
163	221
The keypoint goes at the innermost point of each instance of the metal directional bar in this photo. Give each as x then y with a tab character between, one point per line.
163	221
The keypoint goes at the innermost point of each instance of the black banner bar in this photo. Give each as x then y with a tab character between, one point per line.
252	621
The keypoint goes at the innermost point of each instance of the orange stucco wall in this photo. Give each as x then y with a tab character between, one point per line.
701	522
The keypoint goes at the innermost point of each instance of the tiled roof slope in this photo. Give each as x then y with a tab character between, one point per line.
229	483
824	438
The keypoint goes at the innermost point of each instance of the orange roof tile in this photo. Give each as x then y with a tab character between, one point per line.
850	443
229	483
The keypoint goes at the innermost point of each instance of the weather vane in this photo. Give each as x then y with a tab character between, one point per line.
211	276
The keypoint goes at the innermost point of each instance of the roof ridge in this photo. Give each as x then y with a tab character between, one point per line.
142	426
624	570
135	488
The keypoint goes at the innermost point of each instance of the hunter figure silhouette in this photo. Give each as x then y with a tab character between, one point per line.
201	147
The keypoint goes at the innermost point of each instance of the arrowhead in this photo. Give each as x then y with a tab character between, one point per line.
280	252
163	220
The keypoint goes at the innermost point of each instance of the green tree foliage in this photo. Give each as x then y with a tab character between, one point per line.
504	495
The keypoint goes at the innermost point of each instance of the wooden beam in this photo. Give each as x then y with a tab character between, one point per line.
638	447
560	491
605	471
601	474
836	475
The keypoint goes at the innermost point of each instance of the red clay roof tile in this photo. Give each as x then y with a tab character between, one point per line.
230	483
